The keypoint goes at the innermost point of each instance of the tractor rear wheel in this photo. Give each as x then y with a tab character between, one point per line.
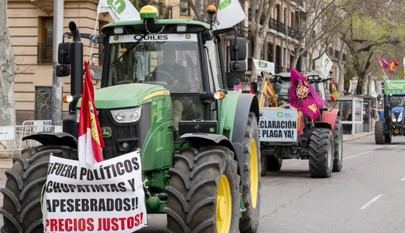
275	163
320	153
270	163
379	132
251	178
338	152
203	194
388	138
21	203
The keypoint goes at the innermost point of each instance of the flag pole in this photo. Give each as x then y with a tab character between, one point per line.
403	63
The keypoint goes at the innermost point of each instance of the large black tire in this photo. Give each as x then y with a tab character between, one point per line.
193	190
264	163
379	132
388	138
270	163
321	153
275	163
251	181
21	203
338	148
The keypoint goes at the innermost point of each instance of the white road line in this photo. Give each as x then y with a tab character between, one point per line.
371	202
356	155
403	179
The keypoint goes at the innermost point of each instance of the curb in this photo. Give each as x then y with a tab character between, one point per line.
355	137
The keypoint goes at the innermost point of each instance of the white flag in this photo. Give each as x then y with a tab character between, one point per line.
326	64
263	66
118	9
229	14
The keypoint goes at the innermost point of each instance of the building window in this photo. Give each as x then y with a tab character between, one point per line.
45	40
184	8
43	103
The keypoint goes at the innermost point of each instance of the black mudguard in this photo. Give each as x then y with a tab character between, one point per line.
60	139
246	104
201	139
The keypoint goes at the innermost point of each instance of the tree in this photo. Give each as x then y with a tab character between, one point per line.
258	26
319	28
7	70
367	32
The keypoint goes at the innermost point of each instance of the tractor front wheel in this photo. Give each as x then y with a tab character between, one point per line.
203	194
321	153
251	178
388	138
22	194
379	132
338	153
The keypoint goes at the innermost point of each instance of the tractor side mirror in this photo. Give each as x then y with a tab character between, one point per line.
62	70
239	55
64	51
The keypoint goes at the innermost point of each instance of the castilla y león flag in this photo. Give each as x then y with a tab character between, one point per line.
91	142
304	97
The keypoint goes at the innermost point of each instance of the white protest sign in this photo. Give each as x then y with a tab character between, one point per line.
7	133
278	125
263	66
104	197
326	64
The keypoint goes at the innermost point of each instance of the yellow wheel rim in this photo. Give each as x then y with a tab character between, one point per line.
224	205
254	172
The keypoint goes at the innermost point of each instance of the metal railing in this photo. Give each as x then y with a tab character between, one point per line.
282	28
10	148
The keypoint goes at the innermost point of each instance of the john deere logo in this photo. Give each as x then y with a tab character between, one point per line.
106	132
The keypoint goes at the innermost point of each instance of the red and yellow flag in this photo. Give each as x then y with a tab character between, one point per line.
334	92
91	142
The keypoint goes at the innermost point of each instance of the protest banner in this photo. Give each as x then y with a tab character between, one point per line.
103	197
278	125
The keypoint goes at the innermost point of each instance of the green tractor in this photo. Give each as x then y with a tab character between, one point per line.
163	91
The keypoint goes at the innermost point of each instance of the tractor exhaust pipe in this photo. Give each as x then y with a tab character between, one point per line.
76	84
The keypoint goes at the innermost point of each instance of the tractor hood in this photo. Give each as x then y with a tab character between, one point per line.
126	95
398	110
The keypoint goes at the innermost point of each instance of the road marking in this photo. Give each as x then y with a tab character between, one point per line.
371	202
356	155
403	179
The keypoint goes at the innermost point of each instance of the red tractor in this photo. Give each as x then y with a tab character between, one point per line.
286	133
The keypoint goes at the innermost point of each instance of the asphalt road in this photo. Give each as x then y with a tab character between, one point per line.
367	196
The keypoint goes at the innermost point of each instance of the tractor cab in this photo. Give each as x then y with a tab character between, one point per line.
391	120
281	84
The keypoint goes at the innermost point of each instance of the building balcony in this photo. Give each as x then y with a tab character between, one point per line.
286	30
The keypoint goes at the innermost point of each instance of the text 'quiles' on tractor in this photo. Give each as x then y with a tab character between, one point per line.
286	133
391	120
163	90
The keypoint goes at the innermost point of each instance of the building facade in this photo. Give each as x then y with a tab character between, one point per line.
31	28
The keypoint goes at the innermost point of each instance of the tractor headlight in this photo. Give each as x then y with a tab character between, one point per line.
129	115
396	117
400	117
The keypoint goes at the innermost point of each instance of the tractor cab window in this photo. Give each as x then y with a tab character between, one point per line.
171	60
397	101
282	88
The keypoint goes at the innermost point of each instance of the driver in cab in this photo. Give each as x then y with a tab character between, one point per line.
175	76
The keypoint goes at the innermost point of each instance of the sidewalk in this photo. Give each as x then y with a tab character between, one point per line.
350	137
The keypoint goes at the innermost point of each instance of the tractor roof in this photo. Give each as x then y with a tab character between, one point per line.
283	75
394	87
139	24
